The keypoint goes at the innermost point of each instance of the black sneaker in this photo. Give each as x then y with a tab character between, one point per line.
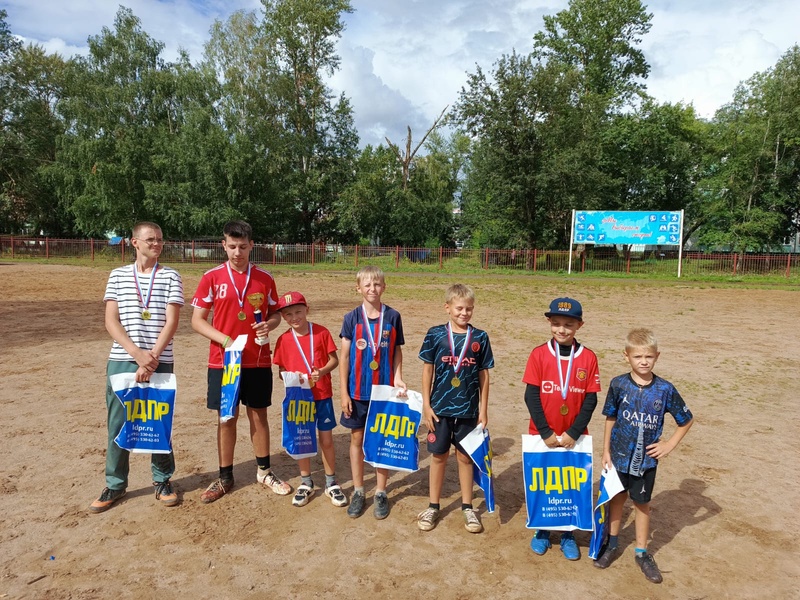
381	506
356	505
607	556
649	567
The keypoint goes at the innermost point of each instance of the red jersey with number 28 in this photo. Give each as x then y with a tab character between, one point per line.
217	292
542	372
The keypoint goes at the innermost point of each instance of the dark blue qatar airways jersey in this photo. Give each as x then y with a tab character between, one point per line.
639	411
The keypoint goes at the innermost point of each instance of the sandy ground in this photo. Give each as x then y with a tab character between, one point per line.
731	352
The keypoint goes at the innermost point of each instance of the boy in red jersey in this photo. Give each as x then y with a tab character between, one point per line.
308	348
372	339
235	290
563	380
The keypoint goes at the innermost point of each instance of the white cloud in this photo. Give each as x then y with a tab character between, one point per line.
402	62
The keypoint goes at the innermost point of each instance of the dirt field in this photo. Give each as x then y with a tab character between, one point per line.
731	352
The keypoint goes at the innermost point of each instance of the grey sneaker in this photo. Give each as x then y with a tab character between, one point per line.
426	520
356	505
472	522
649	568
380	507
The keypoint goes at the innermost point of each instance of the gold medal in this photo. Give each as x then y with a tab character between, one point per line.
564	409
146	314
455	382
242	316
374	365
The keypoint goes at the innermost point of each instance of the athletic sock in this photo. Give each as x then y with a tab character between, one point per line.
359	489
613	541
263	462
306	480
435	506
465	506
641	552
226	473
330	480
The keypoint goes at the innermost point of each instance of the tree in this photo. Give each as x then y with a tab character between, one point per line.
752	181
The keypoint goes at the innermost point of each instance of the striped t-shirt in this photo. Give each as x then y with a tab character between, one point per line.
121	287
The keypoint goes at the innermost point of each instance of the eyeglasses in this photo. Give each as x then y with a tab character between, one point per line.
152	241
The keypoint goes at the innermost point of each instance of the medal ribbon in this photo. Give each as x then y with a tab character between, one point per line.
239	297
372	343
463	353
564	389
310	367
145	301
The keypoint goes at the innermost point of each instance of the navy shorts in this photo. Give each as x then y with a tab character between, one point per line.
357	418
325	417
255	388
450	430
640	488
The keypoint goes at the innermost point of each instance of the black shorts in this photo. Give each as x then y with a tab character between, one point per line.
450	430
255	388
357	418
640	489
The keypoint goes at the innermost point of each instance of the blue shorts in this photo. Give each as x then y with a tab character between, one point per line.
325	417
357	418
450	430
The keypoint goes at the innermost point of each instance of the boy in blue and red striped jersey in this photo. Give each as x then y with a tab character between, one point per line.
372	336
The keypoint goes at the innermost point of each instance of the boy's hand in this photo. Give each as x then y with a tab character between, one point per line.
261	329
552	441
429	418
567	441
606	460
146	359
399	383
347	405
143	375
315	375
659	449
483	418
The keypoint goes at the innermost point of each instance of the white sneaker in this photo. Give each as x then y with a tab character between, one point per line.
336	495
303	495
270	480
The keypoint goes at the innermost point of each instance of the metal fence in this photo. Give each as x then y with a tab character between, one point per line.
595	260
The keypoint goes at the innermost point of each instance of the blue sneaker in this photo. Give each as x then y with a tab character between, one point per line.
569	547
541	542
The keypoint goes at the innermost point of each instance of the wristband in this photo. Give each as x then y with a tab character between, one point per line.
225	341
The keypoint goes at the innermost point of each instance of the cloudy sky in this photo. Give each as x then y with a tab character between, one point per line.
404	61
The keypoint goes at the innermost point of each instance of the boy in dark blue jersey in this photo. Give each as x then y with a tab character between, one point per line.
372	336
635	407
455	394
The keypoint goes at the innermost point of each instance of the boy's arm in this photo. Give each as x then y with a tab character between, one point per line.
170	327
483	411
344	375
318	373
610	422
397	368
533	400
146	359
201	325
581	422
660	449
429	418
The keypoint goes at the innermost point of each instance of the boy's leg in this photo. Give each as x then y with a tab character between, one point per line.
645	560
611	549
465	478
357	469
472	522
327	451
436	478
357	457
642	523
381	506
226	440
259	436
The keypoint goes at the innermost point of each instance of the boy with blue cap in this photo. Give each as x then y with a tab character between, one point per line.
562	380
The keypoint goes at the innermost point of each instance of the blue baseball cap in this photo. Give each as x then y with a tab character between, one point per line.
565	307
